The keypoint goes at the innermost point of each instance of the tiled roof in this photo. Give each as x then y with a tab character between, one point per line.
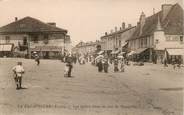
172	24
118	32
29	25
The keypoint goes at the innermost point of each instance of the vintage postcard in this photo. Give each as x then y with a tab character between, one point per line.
91	57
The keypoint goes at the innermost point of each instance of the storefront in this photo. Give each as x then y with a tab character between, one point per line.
176	55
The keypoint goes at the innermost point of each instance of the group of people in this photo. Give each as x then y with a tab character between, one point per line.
103	65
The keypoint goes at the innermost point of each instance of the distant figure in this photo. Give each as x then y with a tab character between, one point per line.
122	66
66	70
18	72
106	66
37	59
70	69
116	65
100	66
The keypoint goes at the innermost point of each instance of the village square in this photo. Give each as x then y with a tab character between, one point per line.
135	69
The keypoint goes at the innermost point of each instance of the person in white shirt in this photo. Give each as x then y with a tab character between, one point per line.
18	72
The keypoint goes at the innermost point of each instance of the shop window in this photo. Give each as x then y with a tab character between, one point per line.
7	39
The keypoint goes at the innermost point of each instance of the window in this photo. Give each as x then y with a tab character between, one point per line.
35	39
181	38
7	39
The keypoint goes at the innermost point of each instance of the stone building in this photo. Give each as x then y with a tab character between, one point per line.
87	48
28	35
116	41
157	33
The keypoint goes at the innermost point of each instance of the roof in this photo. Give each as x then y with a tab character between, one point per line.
118	32
29	25
172	24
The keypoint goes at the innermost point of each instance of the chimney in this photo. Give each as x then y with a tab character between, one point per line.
52	24
16	19
106	33
129	25
142	18
165	10
123	25
116	29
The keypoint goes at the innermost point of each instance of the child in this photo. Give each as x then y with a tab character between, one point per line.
66	70
37	59
18	71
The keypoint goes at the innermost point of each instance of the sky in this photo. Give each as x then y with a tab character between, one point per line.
85	20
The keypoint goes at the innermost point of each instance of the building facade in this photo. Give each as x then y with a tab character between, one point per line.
29	35
87	48
117	40
157	33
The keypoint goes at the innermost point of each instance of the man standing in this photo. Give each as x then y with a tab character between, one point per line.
100	66
18	71
106	65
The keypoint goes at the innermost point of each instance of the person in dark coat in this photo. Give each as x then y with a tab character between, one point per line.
106	66
100	66
70	69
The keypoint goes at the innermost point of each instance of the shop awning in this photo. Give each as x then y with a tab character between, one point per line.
175	51
138	51
100	52
115	52
6	47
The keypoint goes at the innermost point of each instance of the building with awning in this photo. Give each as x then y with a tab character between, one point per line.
28	34
163	29
174	53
